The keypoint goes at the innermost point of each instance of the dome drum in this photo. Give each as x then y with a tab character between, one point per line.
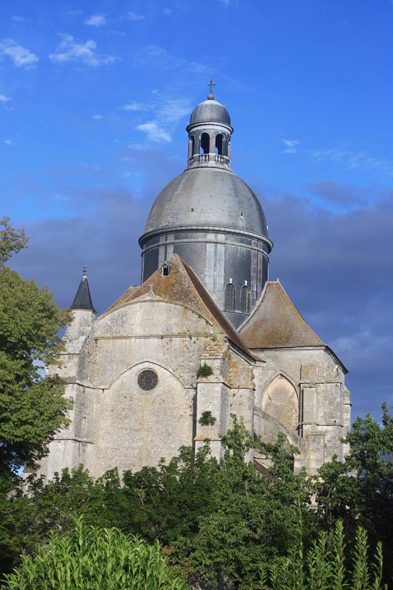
219	257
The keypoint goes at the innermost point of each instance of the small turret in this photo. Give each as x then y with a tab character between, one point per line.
209	134
83	298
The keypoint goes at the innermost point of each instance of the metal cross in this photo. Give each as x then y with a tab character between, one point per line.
211	84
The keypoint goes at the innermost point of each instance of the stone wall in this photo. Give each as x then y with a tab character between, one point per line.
115	422
303	390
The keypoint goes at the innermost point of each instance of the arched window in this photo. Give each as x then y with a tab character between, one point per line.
219	142
280	401
205	143
230	297
245	299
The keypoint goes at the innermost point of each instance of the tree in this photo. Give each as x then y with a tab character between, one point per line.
11	240
257	516
32	407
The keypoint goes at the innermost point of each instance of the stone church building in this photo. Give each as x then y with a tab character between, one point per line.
205	298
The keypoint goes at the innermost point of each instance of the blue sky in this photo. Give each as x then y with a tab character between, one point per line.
94	101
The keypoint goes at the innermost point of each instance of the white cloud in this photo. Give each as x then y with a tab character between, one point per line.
133	16
226	2
8	142
4	98
19	56
167	11
172	110
169	113
154	132
290	145
70	50
97	117
136	106
351	160
96	20
19	19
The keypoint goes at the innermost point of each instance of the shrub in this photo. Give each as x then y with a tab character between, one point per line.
326	566
205	371
94	559
207	419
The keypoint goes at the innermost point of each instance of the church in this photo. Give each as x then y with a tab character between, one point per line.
206	335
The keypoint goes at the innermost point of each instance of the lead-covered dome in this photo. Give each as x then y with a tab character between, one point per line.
210	111
207	197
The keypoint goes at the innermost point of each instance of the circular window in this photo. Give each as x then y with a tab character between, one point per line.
147	380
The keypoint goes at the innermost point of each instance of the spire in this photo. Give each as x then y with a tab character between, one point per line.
83	298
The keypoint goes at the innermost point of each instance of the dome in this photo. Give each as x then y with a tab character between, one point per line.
207	197
210	111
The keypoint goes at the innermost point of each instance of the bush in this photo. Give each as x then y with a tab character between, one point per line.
205	371
93	559
207	419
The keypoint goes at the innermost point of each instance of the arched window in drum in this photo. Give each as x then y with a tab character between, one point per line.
230	297
245	299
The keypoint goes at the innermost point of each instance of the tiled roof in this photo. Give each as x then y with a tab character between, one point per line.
182	286
276	323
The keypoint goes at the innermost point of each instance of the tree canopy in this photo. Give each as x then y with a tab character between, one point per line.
32	406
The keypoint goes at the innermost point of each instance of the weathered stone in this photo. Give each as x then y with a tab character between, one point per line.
133	372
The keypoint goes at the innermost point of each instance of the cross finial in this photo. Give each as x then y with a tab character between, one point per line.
84	271
210	96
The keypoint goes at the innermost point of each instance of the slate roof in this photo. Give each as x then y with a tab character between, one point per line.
277	323
83	298
208	111
205	196
182	286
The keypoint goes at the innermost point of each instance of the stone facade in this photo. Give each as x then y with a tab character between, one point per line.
133	372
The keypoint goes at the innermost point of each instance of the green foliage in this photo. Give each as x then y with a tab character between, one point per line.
31	512
218	520
205	371
32	407
359	491
11	240
93	559
207	419
326	566
167	502
256	517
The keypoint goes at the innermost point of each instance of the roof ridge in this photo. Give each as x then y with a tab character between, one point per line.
186	268
221	320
